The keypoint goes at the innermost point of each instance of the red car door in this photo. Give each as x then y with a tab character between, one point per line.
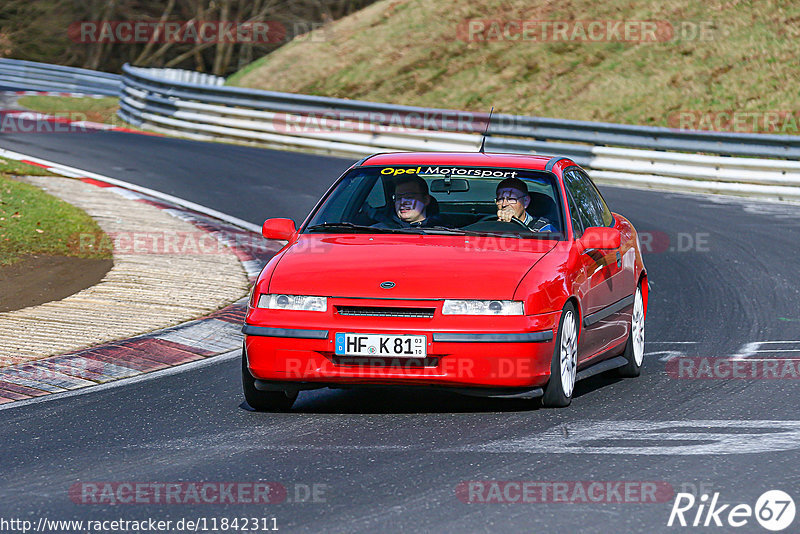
603	289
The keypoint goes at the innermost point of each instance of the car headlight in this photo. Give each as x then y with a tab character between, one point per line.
293	302
482	307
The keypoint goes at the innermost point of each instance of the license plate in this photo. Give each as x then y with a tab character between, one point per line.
379	345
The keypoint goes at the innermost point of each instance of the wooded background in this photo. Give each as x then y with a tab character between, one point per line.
37	30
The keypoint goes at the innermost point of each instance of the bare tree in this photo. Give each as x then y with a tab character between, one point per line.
143	56
27	27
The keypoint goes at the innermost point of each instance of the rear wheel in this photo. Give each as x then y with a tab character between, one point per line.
263	401
564	365
634	348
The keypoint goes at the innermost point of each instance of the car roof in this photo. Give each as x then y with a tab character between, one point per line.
476	159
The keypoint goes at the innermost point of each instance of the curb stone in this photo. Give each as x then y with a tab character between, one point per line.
213	334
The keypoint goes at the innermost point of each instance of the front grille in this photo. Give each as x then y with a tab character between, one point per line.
380	311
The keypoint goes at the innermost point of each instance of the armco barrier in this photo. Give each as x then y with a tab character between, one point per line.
279	119
522	127
21	75
197	106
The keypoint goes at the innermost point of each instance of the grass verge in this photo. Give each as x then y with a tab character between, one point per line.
720	56
74	108
34	222
102	110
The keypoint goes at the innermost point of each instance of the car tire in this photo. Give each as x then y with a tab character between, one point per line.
634	348
264	401
564	365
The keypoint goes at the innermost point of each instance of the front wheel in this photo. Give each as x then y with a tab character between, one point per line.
564	365
264	401
634	348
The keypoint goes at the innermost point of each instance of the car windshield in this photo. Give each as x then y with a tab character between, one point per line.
442	200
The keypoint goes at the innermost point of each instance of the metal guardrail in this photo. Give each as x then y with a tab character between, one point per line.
31	76
613	153
529	129
181	75
197	106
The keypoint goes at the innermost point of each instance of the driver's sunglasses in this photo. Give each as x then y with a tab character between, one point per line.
510	200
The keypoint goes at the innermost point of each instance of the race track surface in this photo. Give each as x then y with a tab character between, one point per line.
724	277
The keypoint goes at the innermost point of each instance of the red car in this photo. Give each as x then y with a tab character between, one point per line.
499	275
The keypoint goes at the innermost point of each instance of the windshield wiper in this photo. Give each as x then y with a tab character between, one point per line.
360	227
427	230
444	230
339	225
461	231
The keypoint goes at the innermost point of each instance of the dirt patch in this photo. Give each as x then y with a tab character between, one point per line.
38	279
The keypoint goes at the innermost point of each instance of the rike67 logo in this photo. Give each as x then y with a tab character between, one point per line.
774	510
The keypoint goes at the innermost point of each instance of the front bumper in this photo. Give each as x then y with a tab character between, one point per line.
462	351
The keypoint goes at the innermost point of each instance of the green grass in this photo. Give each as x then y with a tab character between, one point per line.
75	108
234	78
410	52
103	110
34	222
10	166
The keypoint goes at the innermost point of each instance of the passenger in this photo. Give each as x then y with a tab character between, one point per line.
411	205
512	201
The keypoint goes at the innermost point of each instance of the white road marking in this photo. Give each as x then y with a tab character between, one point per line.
666	355
639	437
627	437
747	351
751	349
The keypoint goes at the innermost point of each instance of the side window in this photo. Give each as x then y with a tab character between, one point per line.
577	224
344	201
377	196
585	199
600	204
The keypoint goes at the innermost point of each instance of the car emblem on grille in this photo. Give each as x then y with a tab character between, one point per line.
387	285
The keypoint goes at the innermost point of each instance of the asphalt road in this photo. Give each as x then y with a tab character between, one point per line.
724	276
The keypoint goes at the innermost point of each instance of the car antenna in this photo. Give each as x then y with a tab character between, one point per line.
486	132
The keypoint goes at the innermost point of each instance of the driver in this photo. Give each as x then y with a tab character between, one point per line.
411	204
512	201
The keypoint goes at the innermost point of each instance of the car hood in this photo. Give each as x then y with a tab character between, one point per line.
421	266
